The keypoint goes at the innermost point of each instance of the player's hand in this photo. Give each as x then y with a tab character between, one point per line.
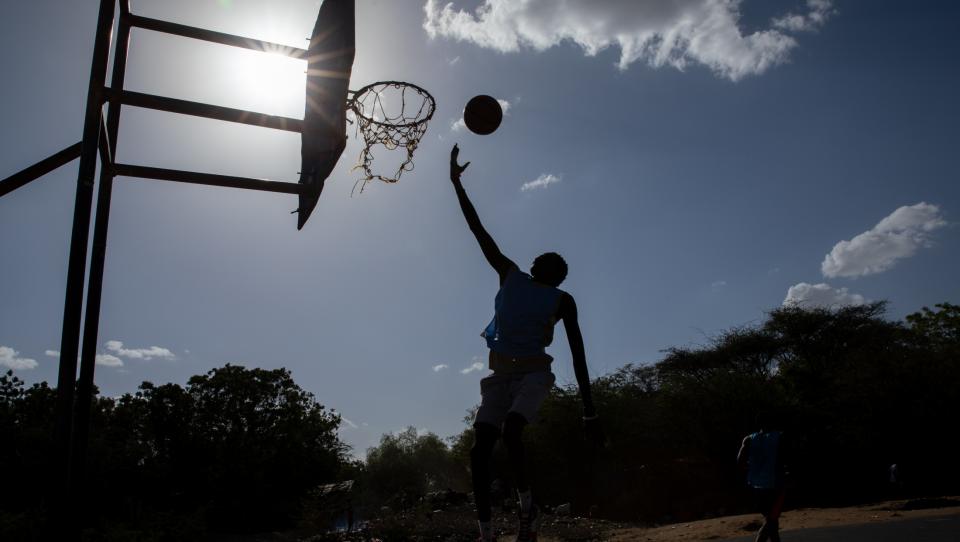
593	430
456	169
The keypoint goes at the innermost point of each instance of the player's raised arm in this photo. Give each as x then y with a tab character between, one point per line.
500	263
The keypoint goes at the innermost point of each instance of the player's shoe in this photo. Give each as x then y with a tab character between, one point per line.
528	524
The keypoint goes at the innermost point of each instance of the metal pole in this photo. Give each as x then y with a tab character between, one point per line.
196	109
73	300
210	179
215	37
91	321
39	169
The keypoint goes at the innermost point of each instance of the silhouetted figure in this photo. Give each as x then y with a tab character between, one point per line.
762	455
526	309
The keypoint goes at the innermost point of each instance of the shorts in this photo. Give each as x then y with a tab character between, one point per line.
503	393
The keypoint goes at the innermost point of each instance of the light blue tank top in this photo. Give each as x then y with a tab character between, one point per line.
525	313
763	465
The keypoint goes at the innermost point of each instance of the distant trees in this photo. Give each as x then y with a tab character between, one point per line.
235	449
26	447
940	327
408	465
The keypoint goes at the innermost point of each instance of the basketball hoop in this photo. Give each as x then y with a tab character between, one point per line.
393	114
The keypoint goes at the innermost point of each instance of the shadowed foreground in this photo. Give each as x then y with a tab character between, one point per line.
915	530
796	524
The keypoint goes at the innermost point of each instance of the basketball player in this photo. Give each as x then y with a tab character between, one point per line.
526	309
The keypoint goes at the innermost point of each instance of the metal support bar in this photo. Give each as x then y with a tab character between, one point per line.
197	109
214	37
106	145
211	179
76	270
91	322
39	169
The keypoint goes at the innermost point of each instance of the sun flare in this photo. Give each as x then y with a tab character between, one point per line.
270	82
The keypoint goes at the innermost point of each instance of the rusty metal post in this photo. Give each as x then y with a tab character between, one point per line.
73	302
91	322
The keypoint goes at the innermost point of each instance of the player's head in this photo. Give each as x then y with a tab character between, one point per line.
549	268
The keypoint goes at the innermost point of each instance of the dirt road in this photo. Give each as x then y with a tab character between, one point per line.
803	523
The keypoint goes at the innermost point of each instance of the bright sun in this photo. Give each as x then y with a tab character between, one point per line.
270	83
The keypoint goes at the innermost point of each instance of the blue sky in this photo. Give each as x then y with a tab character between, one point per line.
700	162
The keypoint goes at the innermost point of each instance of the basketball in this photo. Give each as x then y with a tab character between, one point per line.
483	114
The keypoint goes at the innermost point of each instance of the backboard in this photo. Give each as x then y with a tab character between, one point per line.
329	65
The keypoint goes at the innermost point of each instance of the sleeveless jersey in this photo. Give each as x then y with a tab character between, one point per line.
524	315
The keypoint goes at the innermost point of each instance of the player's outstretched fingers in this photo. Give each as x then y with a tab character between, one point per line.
456	169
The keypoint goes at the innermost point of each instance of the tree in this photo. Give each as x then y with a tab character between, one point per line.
407	465
264	442
941	327
26	430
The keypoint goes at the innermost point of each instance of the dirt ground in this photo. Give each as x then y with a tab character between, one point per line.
458	524
804	518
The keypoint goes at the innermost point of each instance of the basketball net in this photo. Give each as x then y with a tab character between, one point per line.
393	114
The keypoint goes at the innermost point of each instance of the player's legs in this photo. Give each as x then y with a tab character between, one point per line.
484	438
528	517
529	392
512	431
494	403
510	400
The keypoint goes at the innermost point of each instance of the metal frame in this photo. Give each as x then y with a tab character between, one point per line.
100	137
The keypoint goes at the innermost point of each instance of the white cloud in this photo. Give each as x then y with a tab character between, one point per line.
439	367
718	285
894	238
659	32
349	423
139	353
477	365
454	61
821	295
107	360
11	359
819	12
543	181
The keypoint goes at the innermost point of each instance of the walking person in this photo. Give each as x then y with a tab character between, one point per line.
762	456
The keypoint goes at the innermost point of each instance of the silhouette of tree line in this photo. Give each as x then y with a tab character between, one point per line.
234	450
240	449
